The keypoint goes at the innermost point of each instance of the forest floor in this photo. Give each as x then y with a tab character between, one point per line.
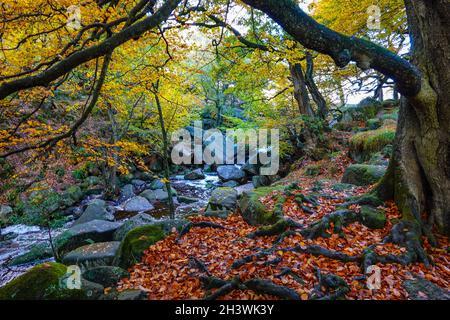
173	269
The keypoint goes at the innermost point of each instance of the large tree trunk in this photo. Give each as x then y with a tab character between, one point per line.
419	174
418	177
300	90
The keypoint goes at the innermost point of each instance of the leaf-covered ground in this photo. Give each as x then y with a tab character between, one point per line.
168	271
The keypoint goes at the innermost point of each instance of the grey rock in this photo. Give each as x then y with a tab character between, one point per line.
244	188
138	204
230	184
95	211
93	255
126	192
138	220
231	172
107	276
223	198
196	174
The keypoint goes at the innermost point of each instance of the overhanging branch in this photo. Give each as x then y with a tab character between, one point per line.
341	48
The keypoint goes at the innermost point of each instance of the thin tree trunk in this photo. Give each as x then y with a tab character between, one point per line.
313	89
111	171
165	153
300	89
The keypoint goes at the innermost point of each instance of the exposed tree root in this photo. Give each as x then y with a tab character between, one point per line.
366	199
339	218
316	250
261	286
279	227
268	287
252	257
329	287
202	224
196	263
289	272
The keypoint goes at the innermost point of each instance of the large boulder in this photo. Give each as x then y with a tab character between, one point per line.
71	196
223	198
196	174
261	181
149	195
244	188
127	192
222	202
363	175
138	220
96	210
136	242
231	172
93	255
138	204
141	238
253	211
373	218
107	276
366	109
42	282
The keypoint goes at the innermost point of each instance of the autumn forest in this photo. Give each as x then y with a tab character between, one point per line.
224	150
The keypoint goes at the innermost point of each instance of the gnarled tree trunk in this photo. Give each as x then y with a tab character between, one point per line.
419	175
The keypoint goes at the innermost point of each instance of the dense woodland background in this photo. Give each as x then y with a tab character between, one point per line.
90	94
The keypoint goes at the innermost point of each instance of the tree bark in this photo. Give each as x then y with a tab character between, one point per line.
313	89
300	91
418	177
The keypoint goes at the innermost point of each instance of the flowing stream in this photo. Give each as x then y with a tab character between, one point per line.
20	238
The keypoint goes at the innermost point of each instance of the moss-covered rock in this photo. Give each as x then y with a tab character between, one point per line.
71	196
43	282
136	242
366	109
363	175
107	276
253	210
373	218
364	144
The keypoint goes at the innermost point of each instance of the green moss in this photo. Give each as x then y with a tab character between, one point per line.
364	144
40	283
373	218
363	175
254	211
136	242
